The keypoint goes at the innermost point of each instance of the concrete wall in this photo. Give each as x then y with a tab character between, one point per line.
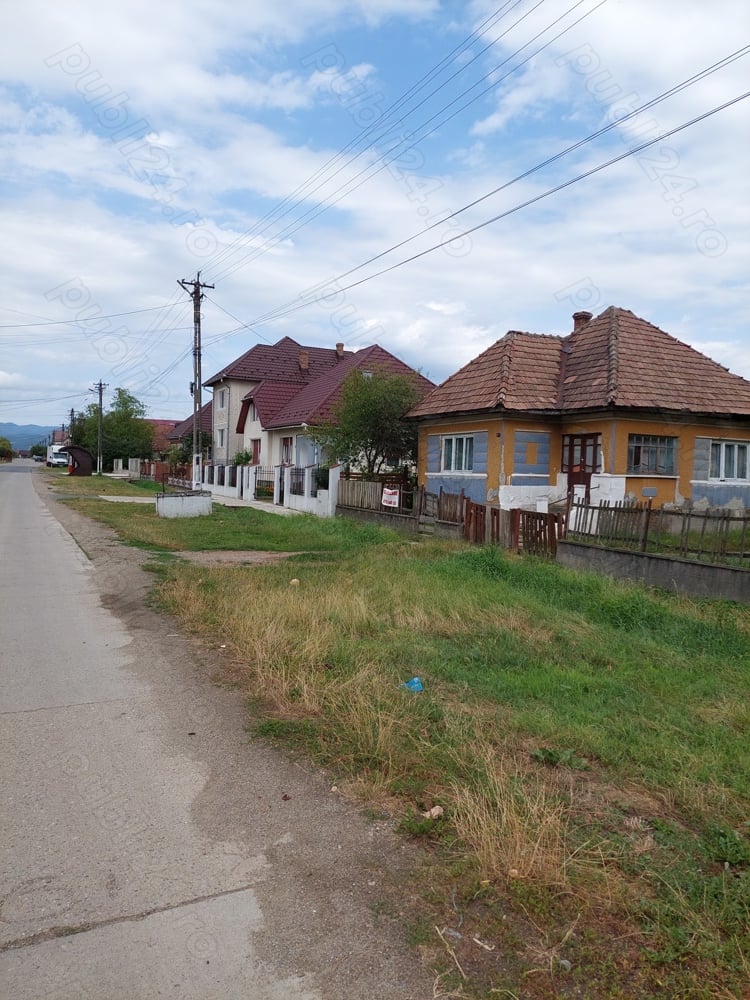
401	522
183	505
681	576
322	505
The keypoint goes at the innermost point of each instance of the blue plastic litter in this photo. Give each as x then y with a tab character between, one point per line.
415	684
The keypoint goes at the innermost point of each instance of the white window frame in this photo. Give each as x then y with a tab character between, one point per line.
729	461
222	398
221	437
457	453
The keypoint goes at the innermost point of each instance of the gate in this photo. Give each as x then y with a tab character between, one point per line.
535	532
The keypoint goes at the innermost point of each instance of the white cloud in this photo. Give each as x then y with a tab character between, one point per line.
240	106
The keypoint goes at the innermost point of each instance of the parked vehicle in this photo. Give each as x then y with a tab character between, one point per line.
57	456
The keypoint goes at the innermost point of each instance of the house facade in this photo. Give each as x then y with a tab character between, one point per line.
266	401
619	409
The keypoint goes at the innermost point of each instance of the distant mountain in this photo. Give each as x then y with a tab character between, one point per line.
22	436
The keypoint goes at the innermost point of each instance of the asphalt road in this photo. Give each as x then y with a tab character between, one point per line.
150	847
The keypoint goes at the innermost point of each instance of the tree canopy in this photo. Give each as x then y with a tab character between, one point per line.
125	432
367	424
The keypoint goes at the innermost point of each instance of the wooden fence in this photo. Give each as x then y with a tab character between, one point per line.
366	495
450	506
536	532
717	536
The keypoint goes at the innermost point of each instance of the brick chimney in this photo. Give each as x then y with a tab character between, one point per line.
304	361
580	319
339	351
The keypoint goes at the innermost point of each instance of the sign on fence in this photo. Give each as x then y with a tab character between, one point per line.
390	497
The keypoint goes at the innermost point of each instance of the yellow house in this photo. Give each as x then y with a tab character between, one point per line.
618	409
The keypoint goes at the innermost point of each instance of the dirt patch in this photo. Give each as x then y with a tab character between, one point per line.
235	557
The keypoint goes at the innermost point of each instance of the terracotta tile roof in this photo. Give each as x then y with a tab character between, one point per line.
614	360
519	372
621	360
313	404
162	429
279	362
186	426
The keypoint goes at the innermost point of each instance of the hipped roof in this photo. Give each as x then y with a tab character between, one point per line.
279	362
616	360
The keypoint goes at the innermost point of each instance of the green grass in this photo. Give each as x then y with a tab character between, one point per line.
588	739
231	528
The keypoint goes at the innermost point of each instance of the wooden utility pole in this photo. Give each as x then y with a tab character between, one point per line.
194	290
99	387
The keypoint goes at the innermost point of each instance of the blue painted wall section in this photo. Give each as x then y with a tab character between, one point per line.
540	442
433	453
720	494
474	486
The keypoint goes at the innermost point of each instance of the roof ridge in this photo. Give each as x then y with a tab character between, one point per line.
613	355
505	366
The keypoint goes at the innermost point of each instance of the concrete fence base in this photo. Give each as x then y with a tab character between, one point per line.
682	576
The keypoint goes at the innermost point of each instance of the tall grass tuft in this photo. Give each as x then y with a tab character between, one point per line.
516	826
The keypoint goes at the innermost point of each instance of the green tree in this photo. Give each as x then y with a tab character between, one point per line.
125	432
367	425
182	454
38	449
6	450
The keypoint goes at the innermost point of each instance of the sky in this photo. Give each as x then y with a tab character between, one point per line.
298	154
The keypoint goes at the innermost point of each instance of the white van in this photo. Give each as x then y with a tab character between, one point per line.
56	456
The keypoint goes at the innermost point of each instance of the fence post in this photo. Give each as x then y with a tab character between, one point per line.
515	524
646	520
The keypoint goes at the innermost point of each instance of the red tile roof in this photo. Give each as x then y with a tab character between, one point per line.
314	403
615	360
186	426
162	430
271	397
279	362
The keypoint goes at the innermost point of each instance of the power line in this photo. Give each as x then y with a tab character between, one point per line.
285	311
678	88
79	322
478	32
41	399
405	144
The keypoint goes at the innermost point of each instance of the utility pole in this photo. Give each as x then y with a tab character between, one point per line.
70	428
99	387
194	290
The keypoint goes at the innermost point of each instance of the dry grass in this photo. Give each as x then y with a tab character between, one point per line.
326	659
516	827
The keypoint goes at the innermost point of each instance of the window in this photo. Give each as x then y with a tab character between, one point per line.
255	447
651	455
221	437
286	451
458	454
729	460
222	398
